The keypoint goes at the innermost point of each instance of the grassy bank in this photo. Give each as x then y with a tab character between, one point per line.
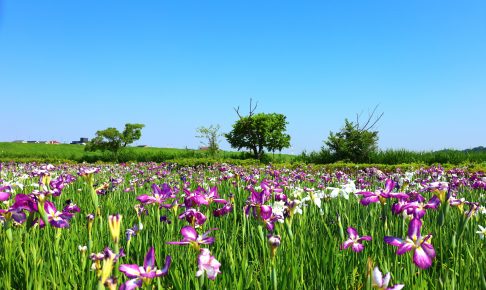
75	153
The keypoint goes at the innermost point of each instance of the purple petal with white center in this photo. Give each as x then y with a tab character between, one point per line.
419	213
393	241
370	199
389	185
220	200
131	284
366	193
433	202
207	241
130	270
189	233
146	198
149	260
403	248
346	244
59	223
207	232
414	228
165	270
49	208
18	216
357	247
265	212
365	238
421	259
399	195
4	196
429	250
352	232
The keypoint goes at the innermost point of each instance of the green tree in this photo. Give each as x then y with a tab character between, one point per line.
354	142
257	132
113	140
211	135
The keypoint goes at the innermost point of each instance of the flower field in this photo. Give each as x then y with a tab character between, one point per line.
163	226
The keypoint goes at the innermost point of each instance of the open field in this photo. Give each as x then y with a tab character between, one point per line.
268	228
67	152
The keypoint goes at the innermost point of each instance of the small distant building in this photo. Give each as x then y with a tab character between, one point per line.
204	148
53	142
82	141
32	142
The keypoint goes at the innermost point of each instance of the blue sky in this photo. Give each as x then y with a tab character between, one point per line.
69	68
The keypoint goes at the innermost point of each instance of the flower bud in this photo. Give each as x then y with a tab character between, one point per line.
114	221
273	243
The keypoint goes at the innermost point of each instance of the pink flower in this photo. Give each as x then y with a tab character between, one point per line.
354	240
423	251
208	264
381	283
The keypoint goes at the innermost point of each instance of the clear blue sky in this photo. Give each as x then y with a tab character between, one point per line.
69	68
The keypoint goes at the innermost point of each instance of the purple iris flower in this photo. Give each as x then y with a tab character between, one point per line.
418	208
354	241
191	237
194	198
159	196
71	207
25	202
381	195
193	217
227	208
255	204
57	185
139	274
270	220
423	250
213	196
56	218
270	187
4	193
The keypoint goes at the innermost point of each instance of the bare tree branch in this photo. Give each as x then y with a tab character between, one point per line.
252	109
237	110
370	119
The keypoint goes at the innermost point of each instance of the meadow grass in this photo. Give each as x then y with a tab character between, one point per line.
309	256
75	153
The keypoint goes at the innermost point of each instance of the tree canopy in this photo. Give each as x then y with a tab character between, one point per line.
356	141
211	134
111	139
257	132
352	144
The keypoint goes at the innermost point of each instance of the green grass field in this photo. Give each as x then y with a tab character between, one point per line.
313	228
67	152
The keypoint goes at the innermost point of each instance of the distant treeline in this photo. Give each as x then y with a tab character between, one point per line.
76	153
476	155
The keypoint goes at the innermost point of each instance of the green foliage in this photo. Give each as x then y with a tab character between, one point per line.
132	133
211	135
258	132
113	140
352	143
309	256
